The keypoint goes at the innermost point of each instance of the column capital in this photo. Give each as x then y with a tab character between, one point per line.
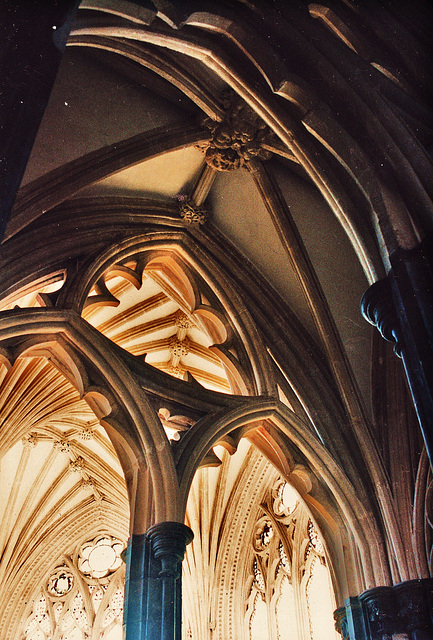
401	307
378	308
168	542
383	613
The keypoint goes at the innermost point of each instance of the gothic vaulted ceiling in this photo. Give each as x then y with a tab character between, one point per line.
144	116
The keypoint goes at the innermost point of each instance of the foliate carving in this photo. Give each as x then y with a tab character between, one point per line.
238	138
62	445
263	534
193	215
394	612
284	560
341	622
414	606
314	537
30	441
77	465
179	348
182	321
86	434
258	576
381	612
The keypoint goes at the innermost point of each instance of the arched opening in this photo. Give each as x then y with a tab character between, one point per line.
257	563
157	313
64	510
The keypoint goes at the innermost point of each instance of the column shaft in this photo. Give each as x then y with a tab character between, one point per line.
401	307
153	582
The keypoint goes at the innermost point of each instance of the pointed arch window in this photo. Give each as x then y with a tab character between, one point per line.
290	596
319	601
83	598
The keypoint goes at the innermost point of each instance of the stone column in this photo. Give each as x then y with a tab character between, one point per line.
403	611
401	307
153	582
136	585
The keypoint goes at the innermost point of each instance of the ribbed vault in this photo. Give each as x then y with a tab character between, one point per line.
61	481
212	189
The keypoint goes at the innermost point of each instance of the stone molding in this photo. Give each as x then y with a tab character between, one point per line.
168	543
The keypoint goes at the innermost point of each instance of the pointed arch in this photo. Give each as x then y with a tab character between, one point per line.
137	426
333	495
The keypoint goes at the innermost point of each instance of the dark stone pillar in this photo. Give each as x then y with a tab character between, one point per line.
401	306
136	584
153	582
33	36
384	613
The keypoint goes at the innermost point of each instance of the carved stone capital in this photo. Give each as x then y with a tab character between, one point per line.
238	138
386	613
168	543
378	308
341	623
380	607
415	602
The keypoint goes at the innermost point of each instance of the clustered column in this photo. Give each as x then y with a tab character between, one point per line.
384	613
153	582
401	307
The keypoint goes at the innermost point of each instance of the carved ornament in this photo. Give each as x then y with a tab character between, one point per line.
238	138
179	348
30	441
62	445
182	321
77	465
193	215
86	434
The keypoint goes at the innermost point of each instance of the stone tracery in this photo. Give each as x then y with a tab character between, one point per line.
242	323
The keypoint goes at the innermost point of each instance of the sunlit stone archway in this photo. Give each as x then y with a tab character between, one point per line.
257	562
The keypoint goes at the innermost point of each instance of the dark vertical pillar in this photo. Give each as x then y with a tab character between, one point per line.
401	306
136	585
33	36
384	613
153	582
